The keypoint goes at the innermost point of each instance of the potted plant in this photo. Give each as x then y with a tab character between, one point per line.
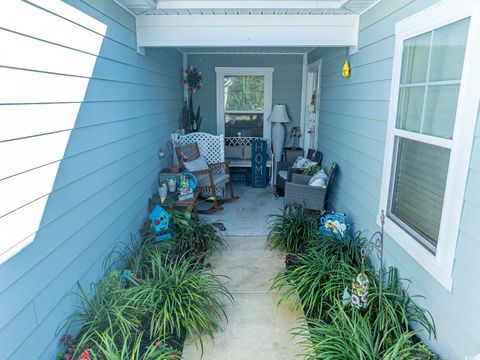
172	184
162	192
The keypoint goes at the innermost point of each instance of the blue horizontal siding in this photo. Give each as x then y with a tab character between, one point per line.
105	176
352	131
287	82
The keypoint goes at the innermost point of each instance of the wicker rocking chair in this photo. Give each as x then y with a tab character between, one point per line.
212	181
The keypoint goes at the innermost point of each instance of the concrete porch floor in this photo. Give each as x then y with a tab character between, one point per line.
248	215
257	328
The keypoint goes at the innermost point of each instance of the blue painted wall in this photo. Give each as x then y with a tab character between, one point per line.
352	129
105	177
287	82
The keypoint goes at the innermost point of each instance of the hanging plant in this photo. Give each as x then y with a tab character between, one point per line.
192	79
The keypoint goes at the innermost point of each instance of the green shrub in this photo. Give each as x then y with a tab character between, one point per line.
176	296
196	238
352	336
347	249
291	231
132	254
107	310
104	347
381	331
397	310
321	275
317	280
333	331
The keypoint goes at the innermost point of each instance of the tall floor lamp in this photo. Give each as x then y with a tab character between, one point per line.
278	117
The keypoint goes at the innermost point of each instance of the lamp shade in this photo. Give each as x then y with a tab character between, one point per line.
279	114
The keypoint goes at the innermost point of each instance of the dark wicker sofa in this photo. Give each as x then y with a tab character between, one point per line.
298	192
284	170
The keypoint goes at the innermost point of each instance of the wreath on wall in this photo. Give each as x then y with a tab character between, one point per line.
192	79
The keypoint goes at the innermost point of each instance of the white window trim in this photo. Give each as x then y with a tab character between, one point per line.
440	266
266	72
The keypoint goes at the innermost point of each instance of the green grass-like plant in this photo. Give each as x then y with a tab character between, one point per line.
349	336
196	237
340	331
176	296
317	280
347	249
104	347
291	231
397	310
132	254
320	275
382	331
107	310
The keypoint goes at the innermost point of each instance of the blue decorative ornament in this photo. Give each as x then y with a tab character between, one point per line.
159	220
334	223
192	180
126	275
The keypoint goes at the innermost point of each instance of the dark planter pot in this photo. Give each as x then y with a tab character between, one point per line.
178	341
291	261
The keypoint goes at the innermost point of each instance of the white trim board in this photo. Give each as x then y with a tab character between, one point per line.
266	72
242	53
440	265
303	100
315	66
247	30
242	4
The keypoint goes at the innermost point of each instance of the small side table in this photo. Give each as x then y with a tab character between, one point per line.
189	205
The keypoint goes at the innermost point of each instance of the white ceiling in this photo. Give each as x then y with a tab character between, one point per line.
247	7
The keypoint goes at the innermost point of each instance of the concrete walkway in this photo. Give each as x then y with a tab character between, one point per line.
257	327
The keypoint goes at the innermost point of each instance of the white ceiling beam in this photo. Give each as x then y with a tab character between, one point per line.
247	30
249	4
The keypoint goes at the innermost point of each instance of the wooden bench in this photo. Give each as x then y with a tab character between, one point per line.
238	153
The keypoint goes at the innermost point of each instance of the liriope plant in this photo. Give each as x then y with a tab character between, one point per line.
177	296
291	231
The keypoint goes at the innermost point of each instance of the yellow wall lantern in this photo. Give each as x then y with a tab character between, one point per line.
346	69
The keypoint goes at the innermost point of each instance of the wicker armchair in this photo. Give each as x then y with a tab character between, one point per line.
285	170
298	192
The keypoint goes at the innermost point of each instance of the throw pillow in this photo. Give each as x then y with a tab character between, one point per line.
303	163
247	152
196	165
234	152
319	179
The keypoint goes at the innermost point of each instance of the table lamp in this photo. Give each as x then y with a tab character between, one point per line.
278	117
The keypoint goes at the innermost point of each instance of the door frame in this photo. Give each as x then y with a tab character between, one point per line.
310	68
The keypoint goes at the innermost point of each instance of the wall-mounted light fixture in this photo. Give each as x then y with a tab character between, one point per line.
346	67
161	154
